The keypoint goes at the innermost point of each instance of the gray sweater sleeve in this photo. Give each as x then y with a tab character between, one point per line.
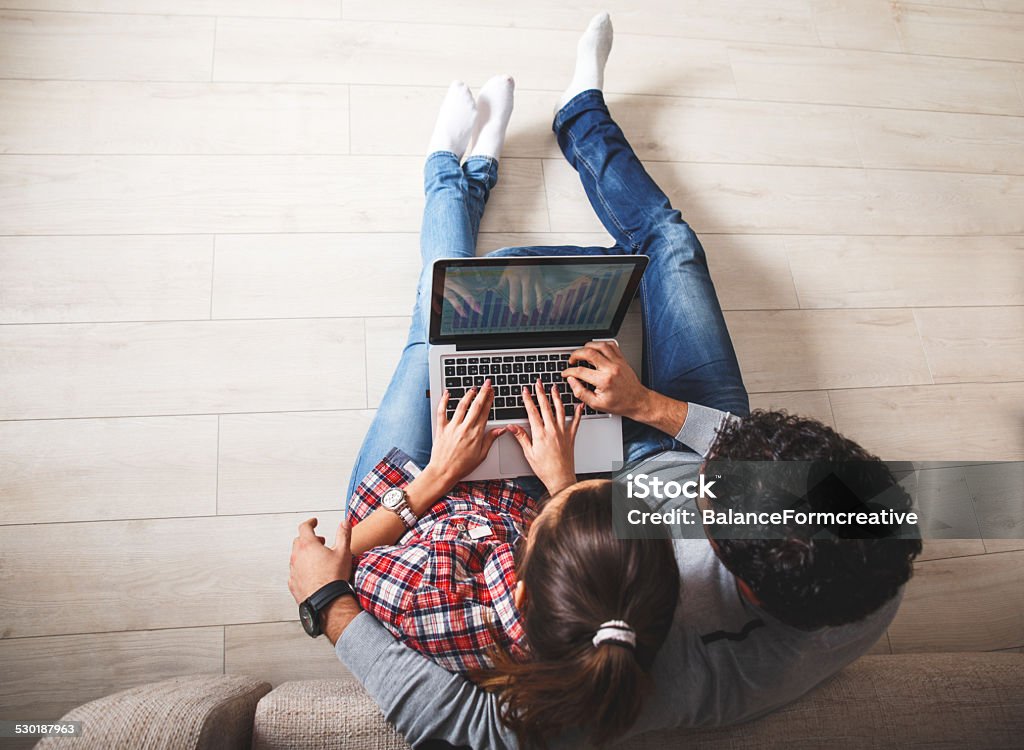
422	700
701	427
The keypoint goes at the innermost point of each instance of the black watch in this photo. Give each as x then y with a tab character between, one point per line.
310	610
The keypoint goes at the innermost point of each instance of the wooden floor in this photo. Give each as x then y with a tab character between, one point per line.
208	213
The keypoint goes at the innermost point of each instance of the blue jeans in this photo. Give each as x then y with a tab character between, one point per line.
688	354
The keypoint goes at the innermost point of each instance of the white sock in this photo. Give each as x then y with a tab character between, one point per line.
493	110
591	55
455	121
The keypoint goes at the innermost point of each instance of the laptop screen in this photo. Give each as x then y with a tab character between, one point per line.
538	301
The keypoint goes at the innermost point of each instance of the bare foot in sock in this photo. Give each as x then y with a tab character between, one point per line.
591	55
493	110
455	121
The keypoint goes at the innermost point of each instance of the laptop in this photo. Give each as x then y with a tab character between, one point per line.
517	319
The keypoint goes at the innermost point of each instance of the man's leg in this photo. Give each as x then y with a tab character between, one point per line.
688	353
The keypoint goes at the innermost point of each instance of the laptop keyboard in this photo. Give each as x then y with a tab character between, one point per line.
508	374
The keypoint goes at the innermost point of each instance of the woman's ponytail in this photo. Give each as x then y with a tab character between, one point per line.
598	609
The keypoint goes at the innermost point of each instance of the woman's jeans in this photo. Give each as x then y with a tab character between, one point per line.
688	354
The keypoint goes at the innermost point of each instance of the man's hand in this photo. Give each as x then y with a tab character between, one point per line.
617	389
313	564
462	442
548	446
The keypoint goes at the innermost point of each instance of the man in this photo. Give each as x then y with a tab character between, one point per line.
760	621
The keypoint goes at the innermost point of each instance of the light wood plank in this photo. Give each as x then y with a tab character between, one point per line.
141	575
65	117
270	463
398	120
963	604
385	339
812	404
1009	6
931	423
997	501
930	30
778	21
874	79
736	199
946	507
278	652
973	343
814	349
86	46
93	279
857	24
750	271
91	469
229	194
942	549
405	54
273	8
957	3
490	241
46	677
907	271
311	275
126	369
953	142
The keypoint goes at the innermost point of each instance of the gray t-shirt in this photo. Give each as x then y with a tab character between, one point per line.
724	661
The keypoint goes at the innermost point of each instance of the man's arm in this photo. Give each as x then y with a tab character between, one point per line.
422	700
618	390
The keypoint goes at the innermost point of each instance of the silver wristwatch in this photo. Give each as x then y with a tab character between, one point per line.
397	501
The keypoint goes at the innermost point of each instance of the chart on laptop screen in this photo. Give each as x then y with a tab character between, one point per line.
489	300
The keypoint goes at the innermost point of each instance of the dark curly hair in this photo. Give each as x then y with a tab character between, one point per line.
808	577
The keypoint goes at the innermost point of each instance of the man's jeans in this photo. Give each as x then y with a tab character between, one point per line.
688	354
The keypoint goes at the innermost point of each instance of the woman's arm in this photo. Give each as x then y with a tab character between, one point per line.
385	527
460	445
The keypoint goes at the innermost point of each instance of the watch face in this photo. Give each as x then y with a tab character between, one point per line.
392	499
307	618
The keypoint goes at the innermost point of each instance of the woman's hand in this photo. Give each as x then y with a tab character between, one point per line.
461	443
548	446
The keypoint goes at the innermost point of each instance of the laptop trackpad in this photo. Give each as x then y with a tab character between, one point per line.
510	456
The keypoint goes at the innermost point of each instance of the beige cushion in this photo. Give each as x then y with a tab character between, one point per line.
198	712
327	714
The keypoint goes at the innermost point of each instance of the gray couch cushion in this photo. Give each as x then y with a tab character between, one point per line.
198	712
908	701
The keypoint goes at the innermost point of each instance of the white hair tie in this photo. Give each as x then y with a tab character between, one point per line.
616	631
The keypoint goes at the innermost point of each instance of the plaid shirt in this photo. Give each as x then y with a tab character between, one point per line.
439	590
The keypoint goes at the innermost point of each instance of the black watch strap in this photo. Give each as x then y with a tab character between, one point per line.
327	594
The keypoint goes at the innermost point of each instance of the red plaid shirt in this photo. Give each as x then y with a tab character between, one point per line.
439	590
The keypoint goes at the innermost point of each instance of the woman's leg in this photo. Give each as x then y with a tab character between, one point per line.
455	200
